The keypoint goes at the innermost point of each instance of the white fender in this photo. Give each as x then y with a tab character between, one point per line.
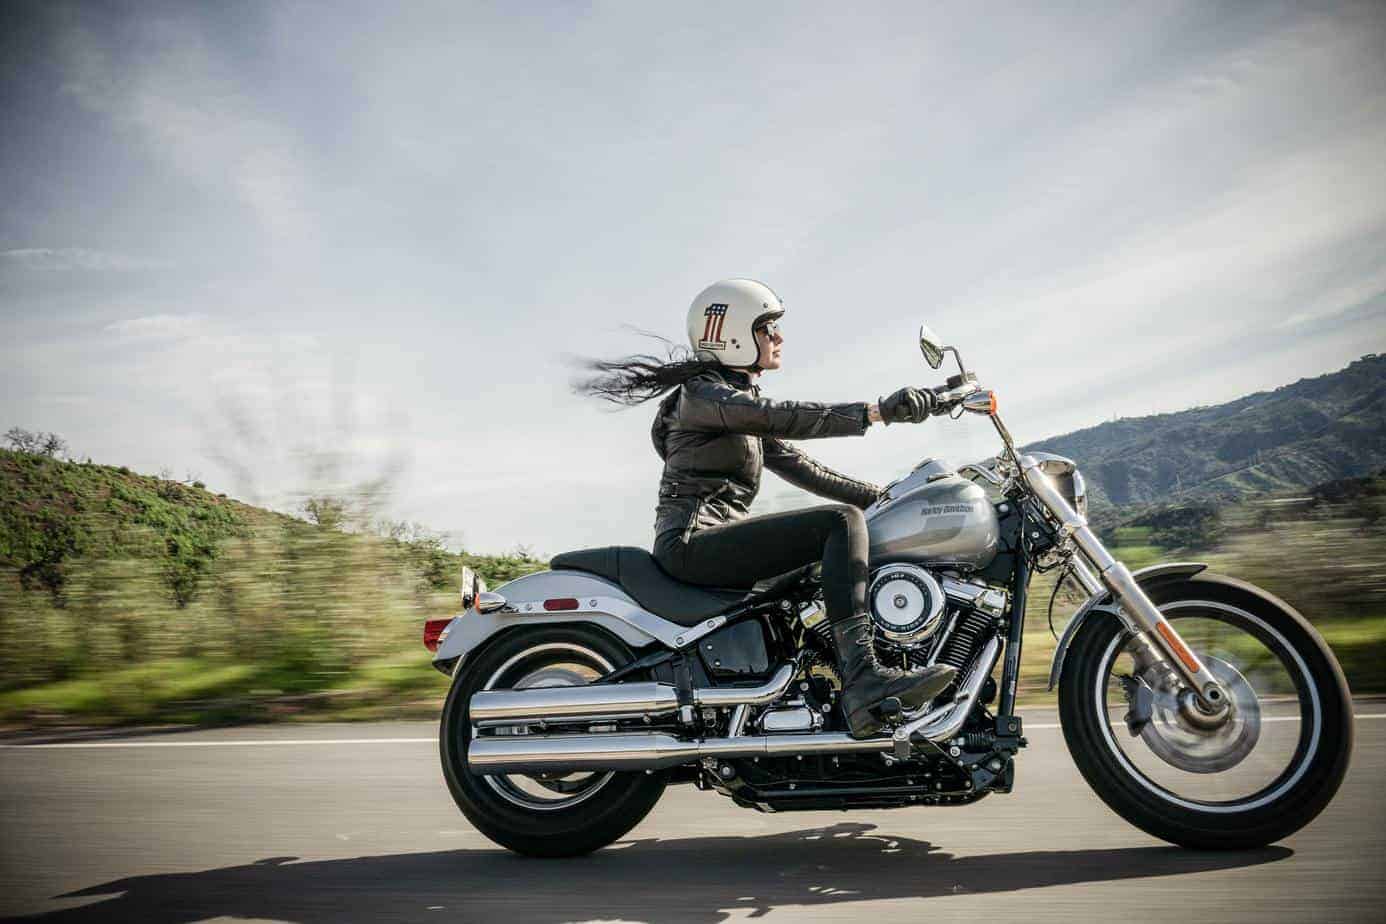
600	602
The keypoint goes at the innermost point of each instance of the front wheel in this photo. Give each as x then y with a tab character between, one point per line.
551	815
1245	776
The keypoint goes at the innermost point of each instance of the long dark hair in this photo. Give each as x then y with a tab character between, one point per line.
636	379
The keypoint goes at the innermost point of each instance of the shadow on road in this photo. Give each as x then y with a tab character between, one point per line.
689	879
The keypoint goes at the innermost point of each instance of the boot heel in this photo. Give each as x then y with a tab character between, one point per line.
863	723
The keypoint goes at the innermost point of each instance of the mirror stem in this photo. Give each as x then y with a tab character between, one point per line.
957	356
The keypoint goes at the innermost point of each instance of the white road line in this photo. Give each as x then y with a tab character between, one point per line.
247	742
278	742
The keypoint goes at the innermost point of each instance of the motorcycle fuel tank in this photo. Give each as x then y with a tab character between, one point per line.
933	516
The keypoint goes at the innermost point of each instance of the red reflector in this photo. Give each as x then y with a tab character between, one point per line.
433	628
561	603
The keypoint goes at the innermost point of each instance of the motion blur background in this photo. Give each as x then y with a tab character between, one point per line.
300	289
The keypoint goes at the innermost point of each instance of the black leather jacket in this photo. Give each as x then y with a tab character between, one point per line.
715	433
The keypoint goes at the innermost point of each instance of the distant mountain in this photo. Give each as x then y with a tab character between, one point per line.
1313	431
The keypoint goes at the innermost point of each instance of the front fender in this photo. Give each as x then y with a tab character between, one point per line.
1102	602
600	602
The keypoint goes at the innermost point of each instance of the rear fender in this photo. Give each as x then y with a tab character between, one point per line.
600	602
1103	602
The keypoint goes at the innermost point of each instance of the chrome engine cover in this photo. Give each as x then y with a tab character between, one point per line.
907	604
790	719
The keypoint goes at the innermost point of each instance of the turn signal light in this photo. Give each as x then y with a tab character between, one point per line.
980	402
434	630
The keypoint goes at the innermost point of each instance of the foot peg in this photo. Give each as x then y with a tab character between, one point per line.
891	710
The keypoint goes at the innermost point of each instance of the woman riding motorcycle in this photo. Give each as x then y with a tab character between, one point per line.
715	432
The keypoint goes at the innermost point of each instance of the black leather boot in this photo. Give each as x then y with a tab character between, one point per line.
865	683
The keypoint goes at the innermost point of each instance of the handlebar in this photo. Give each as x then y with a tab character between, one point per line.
947	397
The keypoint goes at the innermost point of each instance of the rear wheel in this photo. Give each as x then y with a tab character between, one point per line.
550	815
1244	776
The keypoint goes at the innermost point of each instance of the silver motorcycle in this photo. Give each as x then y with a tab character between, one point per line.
1200	708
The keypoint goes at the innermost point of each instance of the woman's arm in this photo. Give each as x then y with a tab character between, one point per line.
802	472
711	404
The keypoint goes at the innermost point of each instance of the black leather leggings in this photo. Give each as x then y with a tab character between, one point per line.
739	554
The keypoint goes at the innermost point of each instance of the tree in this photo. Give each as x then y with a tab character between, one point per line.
37	444
327	512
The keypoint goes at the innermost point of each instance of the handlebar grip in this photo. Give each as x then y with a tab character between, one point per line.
944	401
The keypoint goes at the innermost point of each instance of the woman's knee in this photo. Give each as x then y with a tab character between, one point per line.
850	519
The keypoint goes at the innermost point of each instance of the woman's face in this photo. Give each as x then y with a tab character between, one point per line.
768	343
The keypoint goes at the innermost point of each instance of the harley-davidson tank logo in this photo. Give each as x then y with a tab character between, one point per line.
946	508
714	315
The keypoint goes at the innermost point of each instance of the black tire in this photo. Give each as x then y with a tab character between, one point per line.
615	807
1324	759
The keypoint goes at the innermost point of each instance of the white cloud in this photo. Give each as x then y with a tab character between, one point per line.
159	327
76	259
179	91
1339	300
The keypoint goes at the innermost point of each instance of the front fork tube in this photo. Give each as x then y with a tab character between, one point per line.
1139	613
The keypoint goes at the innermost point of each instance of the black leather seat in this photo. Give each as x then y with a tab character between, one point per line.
640	576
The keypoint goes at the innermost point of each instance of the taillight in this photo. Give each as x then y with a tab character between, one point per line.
434	630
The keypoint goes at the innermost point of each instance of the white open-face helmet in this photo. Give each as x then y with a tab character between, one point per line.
723	316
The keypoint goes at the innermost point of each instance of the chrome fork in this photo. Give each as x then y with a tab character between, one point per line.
1138	611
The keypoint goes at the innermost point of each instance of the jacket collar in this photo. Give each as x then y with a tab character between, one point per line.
738	377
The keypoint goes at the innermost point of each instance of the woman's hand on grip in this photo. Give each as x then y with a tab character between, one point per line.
908	405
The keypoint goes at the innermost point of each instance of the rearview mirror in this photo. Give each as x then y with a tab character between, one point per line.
931	345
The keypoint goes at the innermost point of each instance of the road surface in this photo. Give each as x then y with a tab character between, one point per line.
336	823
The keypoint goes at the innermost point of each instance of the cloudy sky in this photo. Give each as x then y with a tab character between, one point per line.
288	246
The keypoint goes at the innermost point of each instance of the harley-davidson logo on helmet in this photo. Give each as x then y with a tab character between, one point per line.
712	331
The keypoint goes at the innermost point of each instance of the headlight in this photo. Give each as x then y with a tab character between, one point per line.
1066	477
1080	494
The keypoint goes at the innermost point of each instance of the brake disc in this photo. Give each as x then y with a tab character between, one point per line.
1184	734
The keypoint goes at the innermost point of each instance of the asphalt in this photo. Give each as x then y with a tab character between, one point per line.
353	823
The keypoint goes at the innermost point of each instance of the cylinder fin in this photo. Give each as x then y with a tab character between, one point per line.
973	628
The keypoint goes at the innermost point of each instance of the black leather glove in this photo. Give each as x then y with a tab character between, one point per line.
908	405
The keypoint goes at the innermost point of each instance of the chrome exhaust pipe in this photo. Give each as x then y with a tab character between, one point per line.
655	751
612	701
543	753
944	722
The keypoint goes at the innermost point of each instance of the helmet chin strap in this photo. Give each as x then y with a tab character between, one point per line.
755	368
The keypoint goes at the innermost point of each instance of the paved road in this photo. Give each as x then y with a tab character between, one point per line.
353	822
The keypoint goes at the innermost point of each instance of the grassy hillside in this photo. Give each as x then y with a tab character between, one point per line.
1316	430
129	597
